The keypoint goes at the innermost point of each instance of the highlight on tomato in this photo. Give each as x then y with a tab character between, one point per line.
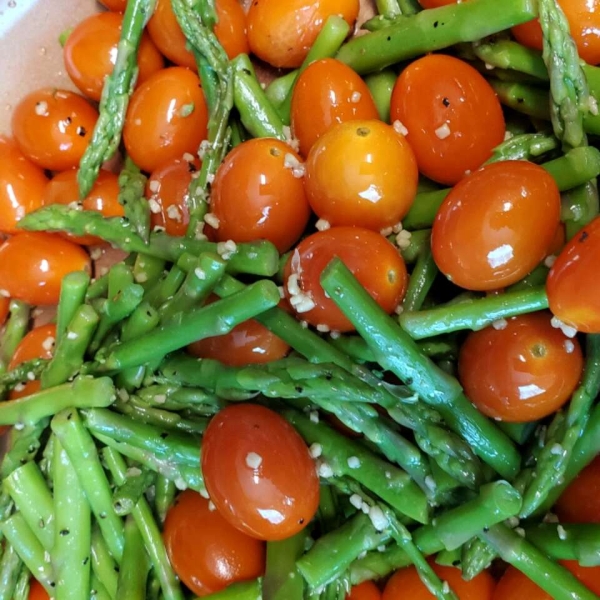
373	260
269	176
22	185
580	502
521	369
361	173
328	92
282	33
33	264
364	591
275	493
573	289
452	115
167	118
488	245
53	127
90	53
206	552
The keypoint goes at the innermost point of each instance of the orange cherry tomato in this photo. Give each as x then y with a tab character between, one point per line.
159	125
115	5
21	186
37	591
4	308
275	492
90	53
406	583
375	262
436	3
268	175
281	33
53	128
365	591
584	21
361	173
453	117
328	92
523	372
206	552
33	264
103	198
488	245
580	502
167	191
231	28
573	290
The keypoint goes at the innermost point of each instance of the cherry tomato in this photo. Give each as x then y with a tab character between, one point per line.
231	27
32	265
406	583
488	245
167	117
268	175
589	576
37	591
361	173
53	128
90	53
584	21
21	186
328	92
375	262
206	552
103	197
580	502
167	191
365	591
523	372
436	3
573	290
4	307
115	5
453	117
275	491
281	33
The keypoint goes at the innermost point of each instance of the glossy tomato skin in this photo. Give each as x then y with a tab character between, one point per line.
406	583
37	591
90	53
573	290
232	28
4	308
258	472
33	264
453	117
53	128
115	5
523	372
486	245
364	591
264	173
328	92
22	186
103	197
206	552
580	502
361	173
157	128
281	33
374	261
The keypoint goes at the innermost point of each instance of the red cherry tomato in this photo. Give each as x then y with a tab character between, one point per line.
167	117
32	266
37	591
361	173
275	491
365	591
406	583
584	21
90	53
573	290
53	128
523	372
4	307
328	92
580	502
21	186
115	5
267	174
103	197
453	117
488	245
281	33
231	27
206	552
375	262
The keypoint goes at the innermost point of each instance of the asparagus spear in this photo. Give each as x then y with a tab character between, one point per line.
381	85
578	541
104	567
126	496
73	289
134	568
282	580
132	185
14	331
10	569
